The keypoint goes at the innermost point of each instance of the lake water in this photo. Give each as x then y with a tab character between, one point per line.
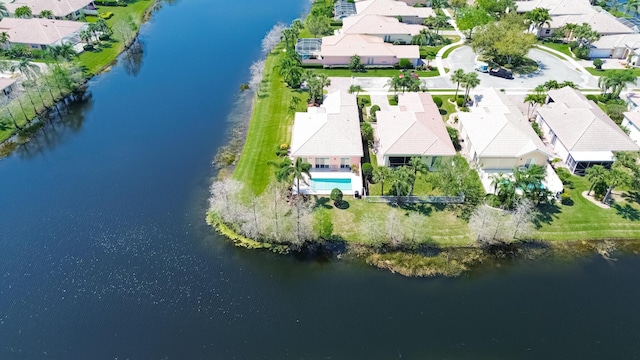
104	253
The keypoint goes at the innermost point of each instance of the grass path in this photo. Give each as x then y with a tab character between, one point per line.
269	127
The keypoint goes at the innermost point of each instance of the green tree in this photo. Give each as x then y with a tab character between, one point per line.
289	36
472	17
631	7
424	37
286	170
401	180
538	18
438	4
46	14
534	100
505	41
355	89
380	175
318	25
367	132
457	77
418	167
457	5
595	174
316	85
355	64
470	81
322	223
507	193
63	52
23	12
585	35
530	182
394	83
291	69
497	8
430	55
85	35
616	82
4	39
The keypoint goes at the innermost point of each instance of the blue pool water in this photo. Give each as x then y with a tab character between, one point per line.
330	184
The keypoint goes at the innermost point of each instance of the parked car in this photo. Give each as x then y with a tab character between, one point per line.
500	72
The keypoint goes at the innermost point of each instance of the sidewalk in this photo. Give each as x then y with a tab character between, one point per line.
565	57
441	52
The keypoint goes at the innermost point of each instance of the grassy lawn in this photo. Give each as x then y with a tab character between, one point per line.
584	220
447	108
440	227
94	61
597	72
370	72
449	50
270	126
561	47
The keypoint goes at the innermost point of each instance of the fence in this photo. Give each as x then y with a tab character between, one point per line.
416	199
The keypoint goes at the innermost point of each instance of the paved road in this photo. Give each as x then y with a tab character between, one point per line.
551	68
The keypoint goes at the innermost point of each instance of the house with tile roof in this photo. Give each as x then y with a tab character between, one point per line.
580	132
328	137
7	85
395	9
61	9
413	128
337	50
388	28
41	33
498	138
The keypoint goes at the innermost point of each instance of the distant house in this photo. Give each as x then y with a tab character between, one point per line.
61	9
7	85
328	137
343	9
575	12
498	138
41	33
388	28
396	9
631	122
633	101
622	46
580	132
413	128
337	50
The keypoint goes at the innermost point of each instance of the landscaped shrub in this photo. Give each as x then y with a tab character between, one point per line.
106	2
88	47
565	199
104	37
437	101
336	196
106	15
573	44
367	170
282	151
597	63
372	112
536	128
460	101
565	177
592	97
464	109
405	64
581	52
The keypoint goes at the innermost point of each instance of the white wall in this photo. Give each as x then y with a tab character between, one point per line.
634	131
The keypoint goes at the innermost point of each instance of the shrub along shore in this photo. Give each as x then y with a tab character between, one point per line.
255	210
66	75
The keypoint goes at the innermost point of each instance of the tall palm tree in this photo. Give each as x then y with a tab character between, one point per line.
23	12
355	89
595	174
286	170
470	81
538	18
507	192
395	83
457	77
534	99
530	181
401	180
380	175
419	167
64	52
31	72
4	39
424	37
85	35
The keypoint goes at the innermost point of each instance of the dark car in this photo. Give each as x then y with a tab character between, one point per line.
500	72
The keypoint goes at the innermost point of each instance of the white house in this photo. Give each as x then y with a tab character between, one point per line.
61	9
621	46
498	138
41	33
7	85
394	8
337	50
328	137
413	128
580	132
388	28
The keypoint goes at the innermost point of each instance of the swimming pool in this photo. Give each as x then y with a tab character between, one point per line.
330	184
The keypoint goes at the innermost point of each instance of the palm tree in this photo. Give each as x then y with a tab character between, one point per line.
457	77
440	21
85	35
380	175
3	9
595	174
534	99
395	83
530	181
507	192
31	72
289	36
355	89
64	52
401	180
46	14
424	37
631	7
287	170
418	166
470	81
4	39
23	12
538	18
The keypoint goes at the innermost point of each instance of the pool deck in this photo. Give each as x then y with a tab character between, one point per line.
356	181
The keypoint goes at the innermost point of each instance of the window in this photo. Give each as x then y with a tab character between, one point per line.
529	162
322	163
345	163
547	31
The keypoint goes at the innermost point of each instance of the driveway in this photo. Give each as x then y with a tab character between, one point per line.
551	68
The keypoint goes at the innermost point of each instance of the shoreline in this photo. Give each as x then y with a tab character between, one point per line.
33	125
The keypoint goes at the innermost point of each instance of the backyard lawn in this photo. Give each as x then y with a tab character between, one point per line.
584	220
269	127
94	61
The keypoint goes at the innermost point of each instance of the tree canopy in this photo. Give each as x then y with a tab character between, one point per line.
505	41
